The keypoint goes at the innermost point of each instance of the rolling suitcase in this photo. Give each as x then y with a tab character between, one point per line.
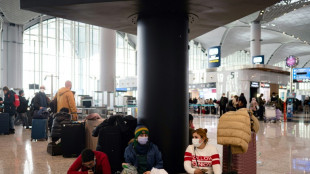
90	125
39	129
72	139
240	163
4	123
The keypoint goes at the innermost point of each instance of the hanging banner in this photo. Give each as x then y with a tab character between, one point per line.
214	57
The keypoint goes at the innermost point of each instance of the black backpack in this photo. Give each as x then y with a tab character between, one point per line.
22	108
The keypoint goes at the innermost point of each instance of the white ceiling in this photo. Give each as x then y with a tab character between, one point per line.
276	34
13	14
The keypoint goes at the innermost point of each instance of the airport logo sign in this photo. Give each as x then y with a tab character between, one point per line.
254	84
258	59
291	61
214	57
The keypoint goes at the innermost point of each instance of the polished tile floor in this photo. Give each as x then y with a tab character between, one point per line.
282	148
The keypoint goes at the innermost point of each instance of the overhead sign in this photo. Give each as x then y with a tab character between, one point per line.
291	61
203	85
214	57
33	86
254	84
264	85
258	59
301	75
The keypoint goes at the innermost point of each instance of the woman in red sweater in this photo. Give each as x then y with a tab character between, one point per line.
91	162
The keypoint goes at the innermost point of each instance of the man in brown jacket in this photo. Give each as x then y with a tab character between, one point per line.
65	99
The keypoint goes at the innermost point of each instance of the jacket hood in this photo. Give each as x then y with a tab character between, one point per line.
62	116
63	90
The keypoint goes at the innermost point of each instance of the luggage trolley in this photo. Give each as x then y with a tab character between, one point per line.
270	114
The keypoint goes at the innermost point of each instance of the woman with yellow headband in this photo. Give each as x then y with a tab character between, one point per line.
142	153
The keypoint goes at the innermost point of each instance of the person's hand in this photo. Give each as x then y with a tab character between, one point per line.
90	172
41	107
1	102
147	172
198	171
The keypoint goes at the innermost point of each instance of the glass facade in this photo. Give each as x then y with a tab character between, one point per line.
198	59
126	57
241	57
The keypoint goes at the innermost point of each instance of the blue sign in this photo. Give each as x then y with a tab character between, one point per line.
214	57
258	59
301	75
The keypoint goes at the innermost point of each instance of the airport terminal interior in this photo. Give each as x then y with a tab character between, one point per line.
74	71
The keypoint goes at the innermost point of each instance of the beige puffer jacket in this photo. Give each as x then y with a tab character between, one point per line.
234	129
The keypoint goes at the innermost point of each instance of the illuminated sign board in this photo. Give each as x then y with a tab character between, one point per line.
258	59
301	75
214	57
254	84
264	85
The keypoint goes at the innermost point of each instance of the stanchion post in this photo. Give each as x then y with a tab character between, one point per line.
284	111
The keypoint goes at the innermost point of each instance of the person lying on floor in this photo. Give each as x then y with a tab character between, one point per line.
90	162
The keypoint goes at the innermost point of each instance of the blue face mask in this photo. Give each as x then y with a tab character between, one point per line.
143	140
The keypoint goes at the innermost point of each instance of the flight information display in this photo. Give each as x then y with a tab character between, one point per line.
301	75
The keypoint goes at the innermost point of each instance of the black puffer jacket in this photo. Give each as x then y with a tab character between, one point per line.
59	119
8	103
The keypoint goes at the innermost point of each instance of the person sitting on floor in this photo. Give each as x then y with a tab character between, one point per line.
142	153
91	162
201	157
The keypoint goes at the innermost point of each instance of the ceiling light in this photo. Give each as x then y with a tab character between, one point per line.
273	25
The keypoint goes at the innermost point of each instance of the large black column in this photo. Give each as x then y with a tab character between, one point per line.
163	84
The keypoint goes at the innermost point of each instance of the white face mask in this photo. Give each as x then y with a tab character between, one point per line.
196	142
42	90
142	140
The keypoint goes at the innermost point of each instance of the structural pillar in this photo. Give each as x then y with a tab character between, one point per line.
12	56
163	84
255	38
107	57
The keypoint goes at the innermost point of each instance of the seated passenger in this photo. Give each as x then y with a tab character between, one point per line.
143	154
201	157
91	162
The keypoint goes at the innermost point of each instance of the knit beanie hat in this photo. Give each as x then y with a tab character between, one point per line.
141	129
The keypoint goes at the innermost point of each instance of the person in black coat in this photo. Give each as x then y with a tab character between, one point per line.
41	100
22	109
223	104
243	101
9	107
59	118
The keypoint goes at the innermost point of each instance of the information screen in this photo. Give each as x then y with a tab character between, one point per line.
258	59
301	75
214	56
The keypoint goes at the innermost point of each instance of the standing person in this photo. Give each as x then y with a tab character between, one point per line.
307	104
191	128
9	107
223	104
40	100
201	157
235	101
65	99
22	109
261	103
243	101
142	153
91	162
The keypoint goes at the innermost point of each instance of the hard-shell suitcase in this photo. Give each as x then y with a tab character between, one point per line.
90	125
72	139
4	123
110	141
241	163
39	129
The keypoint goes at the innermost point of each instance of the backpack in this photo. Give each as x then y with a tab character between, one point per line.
23	106
16	102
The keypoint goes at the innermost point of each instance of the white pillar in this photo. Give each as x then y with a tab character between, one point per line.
107	57
255	38
12	56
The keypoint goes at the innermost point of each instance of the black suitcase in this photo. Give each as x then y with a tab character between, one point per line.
29	117
54	149
4	123
110	141
72	139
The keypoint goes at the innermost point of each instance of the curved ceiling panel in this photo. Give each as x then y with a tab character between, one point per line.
212	38
13	13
